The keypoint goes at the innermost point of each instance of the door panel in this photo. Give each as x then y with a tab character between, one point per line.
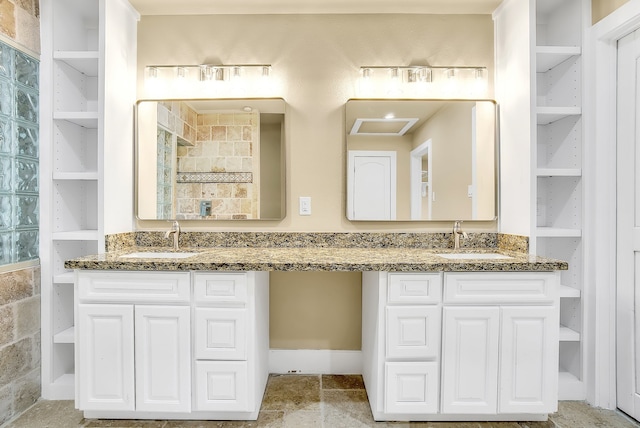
628	222
220	334
470	360
411	387
105	344
222	386
371	178
163	358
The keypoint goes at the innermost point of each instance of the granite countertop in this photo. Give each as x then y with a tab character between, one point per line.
315	259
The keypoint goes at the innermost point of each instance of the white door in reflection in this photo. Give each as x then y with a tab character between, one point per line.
371	178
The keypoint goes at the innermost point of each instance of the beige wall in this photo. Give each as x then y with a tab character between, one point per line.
316	59
602	8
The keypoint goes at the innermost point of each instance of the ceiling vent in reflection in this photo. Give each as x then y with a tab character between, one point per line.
395	127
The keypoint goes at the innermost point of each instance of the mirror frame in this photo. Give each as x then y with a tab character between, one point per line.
283	156
496	158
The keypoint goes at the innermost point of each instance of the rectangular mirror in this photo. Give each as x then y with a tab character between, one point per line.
210	159
421	160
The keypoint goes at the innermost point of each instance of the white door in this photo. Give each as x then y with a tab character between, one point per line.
222	386
371	185
163	358
220	334
411	387
470	359
529	360
628	226
105	370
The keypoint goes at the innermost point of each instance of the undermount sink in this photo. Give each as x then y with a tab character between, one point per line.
474	256
165	255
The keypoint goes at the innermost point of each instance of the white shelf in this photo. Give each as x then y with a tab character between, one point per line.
559	172
570	387
86	62
64	278
548	57
75	175
568	292
86	119
76	235
65	336
568	335
557	232
547	115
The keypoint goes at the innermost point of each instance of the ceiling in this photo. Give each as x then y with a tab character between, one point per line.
199	7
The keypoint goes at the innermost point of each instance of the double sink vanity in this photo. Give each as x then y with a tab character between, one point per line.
464	335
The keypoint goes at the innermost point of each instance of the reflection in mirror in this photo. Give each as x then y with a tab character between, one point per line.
421	160
210	159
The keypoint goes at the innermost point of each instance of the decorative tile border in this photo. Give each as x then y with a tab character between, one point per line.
214	177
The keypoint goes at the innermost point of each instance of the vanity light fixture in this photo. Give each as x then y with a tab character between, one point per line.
422	73
209	72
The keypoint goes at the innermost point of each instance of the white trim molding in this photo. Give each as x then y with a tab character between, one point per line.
315	361
600	201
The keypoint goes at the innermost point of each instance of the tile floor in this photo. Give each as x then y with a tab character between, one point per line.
300	401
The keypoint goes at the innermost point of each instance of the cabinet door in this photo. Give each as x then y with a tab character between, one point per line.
411	387
220	334
222	386
105	366
470	360
529	360
163	358
413	332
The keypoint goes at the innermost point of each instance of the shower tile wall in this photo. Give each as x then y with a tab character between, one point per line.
225	142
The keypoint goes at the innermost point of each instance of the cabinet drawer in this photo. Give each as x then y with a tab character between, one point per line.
220	287
220	333
413	332
501	287
411	388
414	288
222	386
133	287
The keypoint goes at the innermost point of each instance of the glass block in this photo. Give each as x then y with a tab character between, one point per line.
27	175
6	174
6	136
6	216
5	60
26	245
6	97
6	247
26	105
26	70
26	212
28	141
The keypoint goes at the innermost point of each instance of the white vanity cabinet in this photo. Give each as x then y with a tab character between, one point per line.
499	335
183	345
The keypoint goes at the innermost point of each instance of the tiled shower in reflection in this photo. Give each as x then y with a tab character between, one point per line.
18	156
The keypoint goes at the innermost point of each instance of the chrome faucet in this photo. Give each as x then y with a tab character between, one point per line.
175	229
457	231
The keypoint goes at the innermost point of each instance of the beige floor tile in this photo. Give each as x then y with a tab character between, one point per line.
346	408
292	392
50	414
302	419
342	382
577	414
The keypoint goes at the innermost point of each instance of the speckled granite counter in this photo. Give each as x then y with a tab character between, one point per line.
315	259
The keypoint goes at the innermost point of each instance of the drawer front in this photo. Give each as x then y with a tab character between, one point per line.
413	332
222	386
501	287
220	287
220	333
133	287
414	288
411	388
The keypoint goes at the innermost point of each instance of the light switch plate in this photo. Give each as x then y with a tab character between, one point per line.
305	205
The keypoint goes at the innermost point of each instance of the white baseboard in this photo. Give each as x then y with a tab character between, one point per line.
315	361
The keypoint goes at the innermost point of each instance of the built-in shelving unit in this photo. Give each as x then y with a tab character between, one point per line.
74	65
557	220
539	86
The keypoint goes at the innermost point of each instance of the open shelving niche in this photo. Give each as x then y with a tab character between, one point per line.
557	153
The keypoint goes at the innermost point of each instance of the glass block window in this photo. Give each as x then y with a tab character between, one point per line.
165	174
19	211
